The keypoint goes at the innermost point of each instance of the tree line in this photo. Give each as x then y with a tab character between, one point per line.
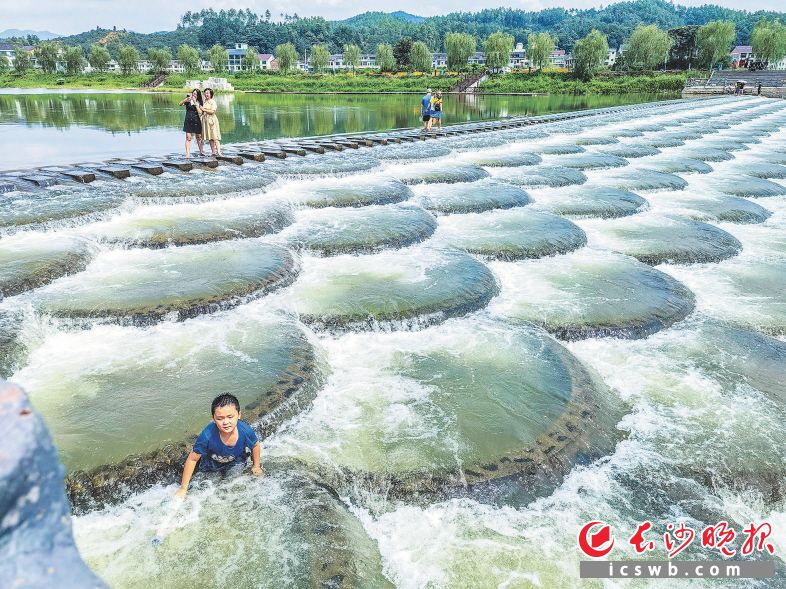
206	28
647	48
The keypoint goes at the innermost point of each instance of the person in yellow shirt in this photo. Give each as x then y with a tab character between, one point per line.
436	108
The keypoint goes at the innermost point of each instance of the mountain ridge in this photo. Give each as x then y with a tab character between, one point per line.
43	35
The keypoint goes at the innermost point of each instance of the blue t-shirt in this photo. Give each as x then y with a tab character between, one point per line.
216	455
426	104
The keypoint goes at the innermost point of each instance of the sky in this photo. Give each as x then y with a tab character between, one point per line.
67	17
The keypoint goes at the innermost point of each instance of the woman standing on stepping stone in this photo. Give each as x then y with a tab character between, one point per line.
210	128
192	123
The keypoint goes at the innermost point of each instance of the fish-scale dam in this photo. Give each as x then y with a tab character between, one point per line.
450	342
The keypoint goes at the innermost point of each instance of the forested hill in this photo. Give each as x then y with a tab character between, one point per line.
207	27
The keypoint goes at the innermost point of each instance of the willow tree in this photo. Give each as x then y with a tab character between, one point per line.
459	47
47	53
320	56
218	57
99	58
286	56
539	49
160	59
498	47
647	48
22	61
386	62
351	56
420	57
768	40
250	61
589	54
127	59
188	57
74	58
714	41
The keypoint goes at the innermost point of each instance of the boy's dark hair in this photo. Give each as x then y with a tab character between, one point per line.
223	400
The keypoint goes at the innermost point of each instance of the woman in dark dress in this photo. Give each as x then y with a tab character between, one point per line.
193	122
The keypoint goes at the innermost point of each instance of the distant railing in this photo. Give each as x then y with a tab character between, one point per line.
157	81
468	81
693	82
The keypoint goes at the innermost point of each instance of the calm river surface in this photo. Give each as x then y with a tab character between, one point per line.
61	127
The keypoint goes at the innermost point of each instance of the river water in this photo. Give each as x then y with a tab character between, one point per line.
460	351
73	125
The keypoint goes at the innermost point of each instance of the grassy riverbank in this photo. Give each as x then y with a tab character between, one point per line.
603	83
349	83
367	82
93	81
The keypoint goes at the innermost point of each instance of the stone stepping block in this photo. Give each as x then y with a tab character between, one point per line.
313	148
118	172
231	159
205	162
154	169
293	149
82	176
347	143
40	180
272	152
148	168
331	145
374	140
181	165
254	156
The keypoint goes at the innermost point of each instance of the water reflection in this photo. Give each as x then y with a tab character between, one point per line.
104	123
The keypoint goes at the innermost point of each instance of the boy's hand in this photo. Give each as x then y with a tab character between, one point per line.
181	492
257	471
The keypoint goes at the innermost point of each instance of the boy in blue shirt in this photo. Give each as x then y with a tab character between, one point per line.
223	444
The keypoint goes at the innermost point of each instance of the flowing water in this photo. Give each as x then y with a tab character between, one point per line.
459	351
